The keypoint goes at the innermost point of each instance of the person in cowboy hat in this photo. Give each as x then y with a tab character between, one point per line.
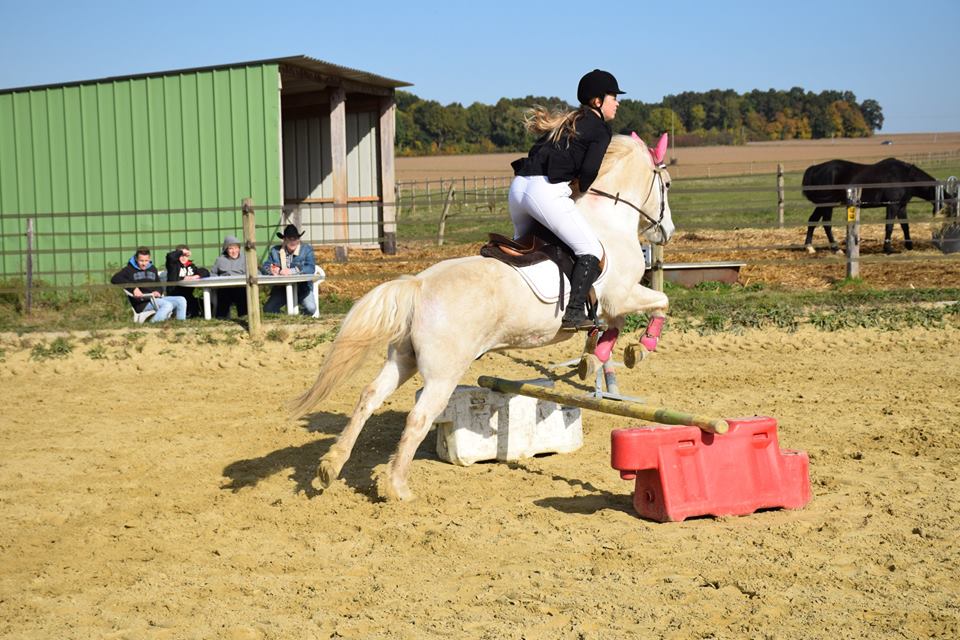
291	257
570	148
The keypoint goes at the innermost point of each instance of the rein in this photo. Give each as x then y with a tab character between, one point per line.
653	224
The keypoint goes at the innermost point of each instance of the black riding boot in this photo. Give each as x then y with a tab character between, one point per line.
585	273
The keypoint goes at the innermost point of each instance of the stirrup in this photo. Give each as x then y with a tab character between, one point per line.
586	324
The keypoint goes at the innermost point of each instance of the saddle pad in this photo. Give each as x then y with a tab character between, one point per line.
543	279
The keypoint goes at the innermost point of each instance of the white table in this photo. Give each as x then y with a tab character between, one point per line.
218	282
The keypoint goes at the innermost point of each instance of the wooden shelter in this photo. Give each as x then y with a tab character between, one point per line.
158	159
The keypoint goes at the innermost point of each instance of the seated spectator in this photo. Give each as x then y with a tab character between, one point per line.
291	257
180	267
230	263
141	272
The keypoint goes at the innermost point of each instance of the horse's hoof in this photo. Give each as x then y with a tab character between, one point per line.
908	244
592	339
391	491
887	248
327	473
634	354
589	364
809	249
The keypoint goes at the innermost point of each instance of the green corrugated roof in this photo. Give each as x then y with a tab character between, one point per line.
304	62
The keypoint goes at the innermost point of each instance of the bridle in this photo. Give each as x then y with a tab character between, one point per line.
656	225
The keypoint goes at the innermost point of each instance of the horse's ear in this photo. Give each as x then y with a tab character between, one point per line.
660	151
633	134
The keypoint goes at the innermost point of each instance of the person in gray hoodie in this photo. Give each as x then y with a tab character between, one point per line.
230	263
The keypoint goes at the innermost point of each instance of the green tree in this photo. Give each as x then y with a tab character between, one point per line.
478	118
663	120
872	114
698	116
507	130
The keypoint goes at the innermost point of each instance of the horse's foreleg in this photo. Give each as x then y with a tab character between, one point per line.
598	349
905	226
433	399
655	303
400	365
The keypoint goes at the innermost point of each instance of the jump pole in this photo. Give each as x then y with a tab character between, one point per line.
615	407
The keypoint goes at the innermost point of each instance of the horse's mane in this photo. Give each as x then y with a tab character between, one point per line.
620	156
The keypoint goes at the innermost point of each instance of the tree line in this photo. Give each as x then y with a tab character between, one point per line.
694	118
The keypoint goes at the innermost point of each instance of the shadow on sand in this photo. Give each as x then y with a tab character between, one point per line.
374	446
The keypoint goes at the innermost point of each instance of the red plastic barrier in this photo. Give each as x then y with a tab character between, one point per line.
682	471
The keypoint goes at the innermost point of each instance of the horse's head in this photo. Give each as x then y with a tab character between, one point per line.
634	175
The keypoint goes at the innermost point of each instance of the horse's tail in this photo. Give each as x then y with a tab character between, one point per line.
383	315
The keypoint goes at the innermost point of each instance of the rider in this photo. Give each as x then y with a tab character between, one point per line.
570	148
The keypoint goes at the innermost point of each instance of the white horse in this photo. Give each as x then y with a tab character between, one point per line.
442	319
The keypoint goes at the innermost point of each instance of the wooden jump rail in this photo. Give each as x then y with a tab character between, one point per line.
603	405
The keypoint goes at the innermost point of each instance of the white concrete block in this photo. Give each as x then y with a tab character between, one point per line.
480	424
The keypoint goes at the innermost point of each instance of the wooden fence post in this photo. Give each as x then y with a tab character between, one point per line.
853	233
656	267
254	326
443	216
28	294
780	198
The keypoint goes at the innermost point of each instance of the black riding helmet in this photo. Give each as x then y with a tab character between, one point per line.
597	84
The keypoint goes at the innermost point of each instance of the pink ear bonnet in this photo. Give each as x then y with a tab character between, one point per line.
659	152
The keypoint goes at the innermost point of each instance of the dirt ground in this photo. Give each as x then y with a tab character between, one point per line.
164	495
693	162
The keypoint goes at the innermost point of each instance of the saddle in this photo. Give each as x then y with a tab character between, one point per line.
534	248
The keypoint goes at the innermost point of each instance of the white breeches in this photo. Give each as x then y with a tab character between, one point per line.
534	198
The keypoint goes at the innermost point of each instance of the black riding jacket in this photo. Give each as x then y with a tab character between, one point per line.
577	156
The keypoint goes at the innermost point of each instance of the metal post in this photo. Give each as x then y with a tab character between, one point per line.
853	233
780	198
28	294
250	254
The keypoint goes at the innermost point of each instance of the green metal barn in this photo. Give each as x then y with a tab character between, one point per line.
99	167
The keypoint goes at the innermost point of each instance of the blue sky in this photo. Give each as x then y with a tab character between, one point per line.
902	54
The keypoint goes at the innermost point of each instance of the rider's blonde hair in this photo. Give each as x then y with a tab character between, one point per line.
557	124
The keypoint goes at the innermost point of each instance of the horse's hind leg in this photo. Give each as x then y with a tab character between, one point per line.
400	365
434	397
828	229
888	228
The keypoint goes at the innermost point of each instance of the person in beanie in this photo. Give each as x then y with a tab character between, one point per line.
139	271
230	263
570	149
291	257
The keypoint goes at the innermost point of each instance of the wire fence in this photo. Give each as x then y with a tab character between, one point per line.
64	250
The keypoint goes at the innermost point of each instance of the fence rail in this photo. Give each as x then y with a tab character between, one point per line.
85	248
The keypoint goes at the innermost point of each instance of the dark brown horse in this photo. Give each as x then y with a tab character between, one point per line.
895	198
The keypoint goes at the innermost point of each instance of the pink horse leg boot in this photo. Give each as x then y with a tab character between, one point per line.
652	335
605	344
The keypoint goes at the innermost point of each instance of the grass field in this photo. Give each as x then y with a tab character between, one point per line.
723	203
